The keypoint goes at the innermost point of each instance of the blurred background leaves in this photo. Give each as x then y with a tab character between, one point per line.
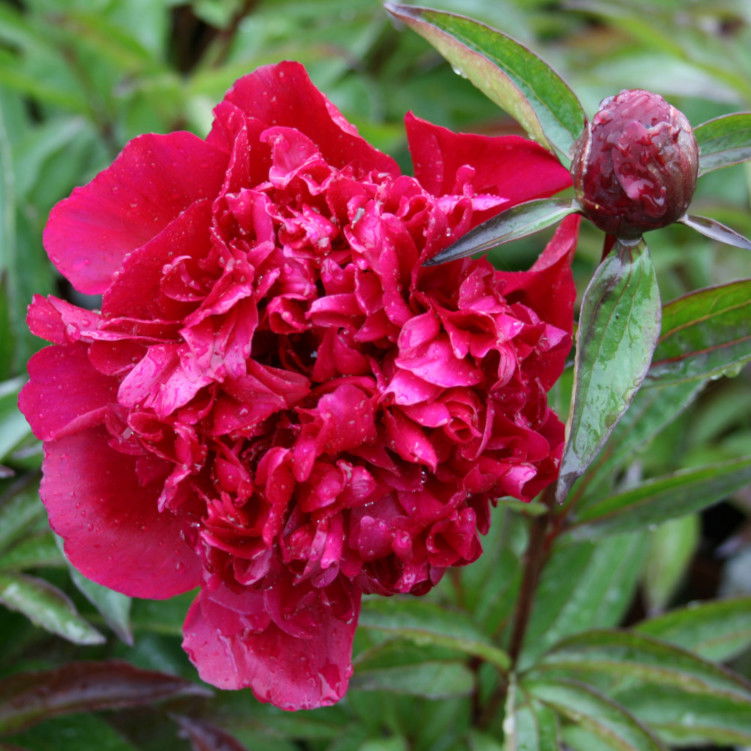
78	78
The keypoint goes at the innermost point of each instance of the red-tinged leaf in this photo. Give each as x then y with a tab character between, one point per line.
29	698
716	231
519	221
705	334
662	498
618	329
206	737
505	71
724	141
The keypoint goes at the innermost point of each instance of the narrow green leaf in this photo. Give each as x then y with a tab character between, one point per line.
663	498
683	719
13	425
528	725
671	547
505	71
426	623
583	586
724	141
29	698
582	705
520	221
20	508
617	655
31	552
715	630
705	334
47	607
430	680
715	230
618	329
113	606
394	743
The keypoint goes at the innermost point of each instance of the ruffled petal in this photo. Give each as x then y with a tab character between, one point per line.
112	530
548	288
154	178
512	167
65	393
283	94
304	672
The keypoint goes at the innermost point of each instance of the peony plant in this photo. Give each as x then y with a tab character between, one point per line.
301	398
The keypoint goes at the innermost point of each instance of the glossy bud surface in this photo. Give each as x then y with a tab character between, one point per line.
635	166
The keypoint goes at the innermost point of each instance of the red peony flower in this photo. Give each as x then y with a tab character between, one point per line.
277	403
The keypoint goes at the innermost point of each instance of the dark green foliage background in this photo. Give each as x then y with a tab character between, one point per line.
79	78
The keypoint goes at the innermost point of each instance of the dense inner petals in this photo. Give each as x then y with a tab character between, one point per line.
306	380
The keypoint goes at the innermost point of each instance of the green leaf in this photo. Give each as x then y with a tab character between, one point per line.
715	630
431	680
426	623
31	552
618	655
395	743
683	719
479	741
663	498
583	586
113	606
651	410
528	725
83	732
29	698
705	334
47	607
13	425
520	221
724	141
618	329
671	547
582	705
505	71
20	508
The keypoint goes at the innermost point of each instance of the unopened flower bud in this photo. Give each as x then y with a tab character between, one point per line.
635	166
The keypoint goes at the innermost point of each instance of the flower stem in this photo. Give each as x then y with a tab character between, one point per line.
542	533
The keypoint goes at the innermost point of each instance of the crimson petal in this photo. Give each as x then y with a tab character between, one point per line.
512	167
65	393
154	178
290	672
112	529
283	94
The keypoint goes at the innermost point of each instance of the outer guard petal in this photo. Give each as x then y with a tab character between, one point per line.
290	672
283	94
65	393
510	166
113	532
154	178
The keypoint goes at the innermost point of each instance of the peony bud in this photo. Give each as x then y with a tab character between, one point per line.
635	166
